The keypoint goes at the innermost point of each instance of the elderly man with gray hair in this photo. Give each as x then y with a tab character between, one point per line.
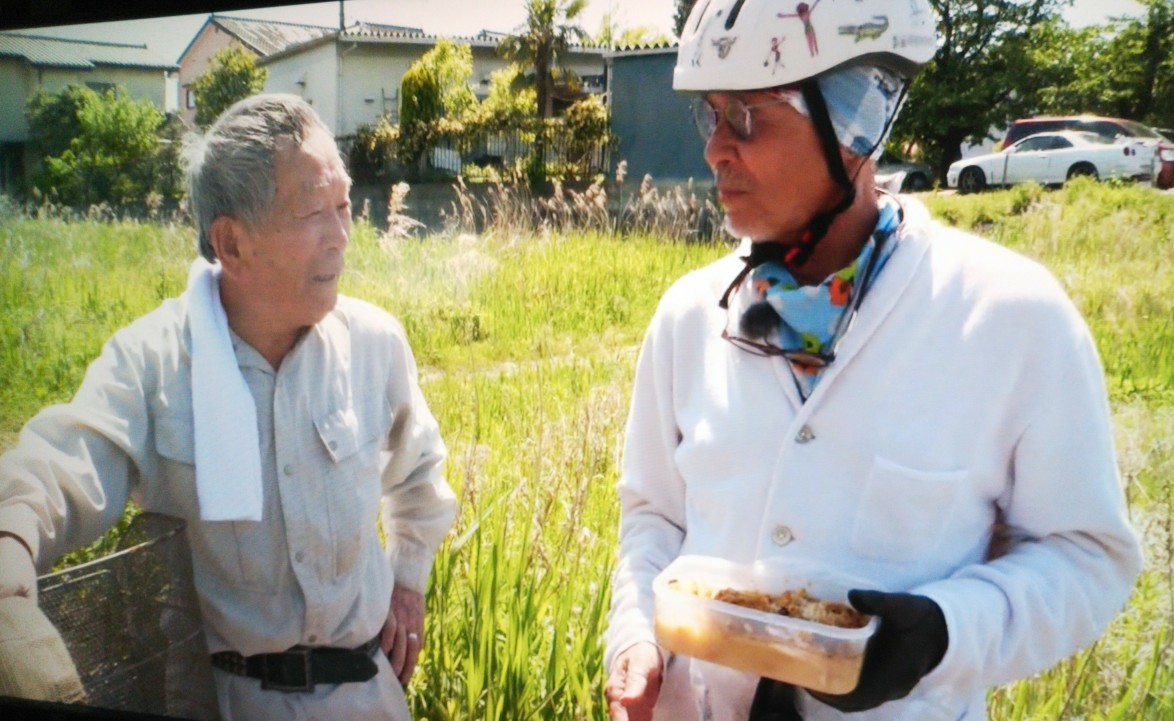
275	417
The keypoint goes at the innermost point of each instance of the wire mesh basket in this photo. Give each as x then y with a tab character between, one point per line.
131	622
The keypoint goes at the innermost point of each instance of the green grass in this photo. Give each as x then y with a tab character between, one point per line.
527	344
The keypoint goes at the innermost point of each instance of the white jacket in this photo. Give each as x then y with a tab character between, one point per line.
968	388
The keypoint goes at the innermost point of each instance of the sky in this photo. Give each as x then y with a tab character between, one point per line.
169	37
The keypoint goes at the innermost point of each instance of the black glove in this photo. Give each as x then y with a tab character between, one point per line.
774	701
911	641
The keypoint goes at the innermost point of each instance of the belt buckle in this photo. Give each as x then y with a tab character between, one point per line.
291	663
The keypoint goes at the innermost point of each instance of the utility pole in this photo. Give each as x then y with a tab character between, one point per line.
341	16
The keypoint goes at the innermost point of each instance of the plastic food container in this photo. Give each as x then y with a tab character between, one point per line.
804	653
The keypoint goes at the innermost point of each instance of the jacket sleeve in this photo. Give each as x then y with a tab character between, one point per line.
1076	556
418	505
651	491
67	480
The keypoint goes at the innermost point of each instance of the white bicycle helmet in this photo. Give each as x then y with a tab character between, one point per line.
757	44
736	45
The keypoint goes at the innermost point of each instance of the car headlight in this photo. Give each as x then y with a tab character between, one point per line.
1167	155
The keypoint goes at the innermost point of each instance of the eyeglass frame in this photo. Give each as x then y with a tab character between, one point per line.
703	109
802	356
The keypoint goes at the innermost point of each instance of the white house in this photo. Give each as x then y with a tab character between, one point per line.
353	77
261	38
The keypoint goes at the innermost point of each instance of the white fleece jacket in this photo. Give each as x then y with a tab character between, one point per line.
969	388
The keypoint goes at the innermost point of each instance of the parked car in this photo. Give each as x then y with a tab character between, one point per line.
1051	158
918	176
1164	162
1110	128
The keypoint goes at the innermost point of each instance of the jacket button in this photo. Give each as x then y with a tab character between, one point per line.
334	445
782	535
805	435
288	470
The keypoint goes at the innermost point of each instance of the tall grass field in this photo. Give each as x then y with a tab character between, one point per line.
527	340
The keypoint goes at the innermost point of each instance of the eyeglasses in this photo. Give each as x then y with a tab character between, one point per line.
803	356
736	113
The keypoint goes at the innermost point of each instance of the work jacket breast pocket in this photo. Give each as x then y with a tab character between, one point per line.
352	485
904	512
234	554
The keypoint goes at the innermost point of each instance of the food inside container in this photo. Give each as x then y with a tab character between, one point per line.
729	614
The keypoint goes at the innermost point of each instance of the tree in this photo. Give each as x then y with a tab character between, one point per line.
1138	65
435	87
979	79
233	76
98	147
682	14
610	35
543	41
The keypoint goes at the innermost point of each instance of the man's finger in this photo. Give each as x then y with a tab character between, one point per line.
411	657
399	651
634	687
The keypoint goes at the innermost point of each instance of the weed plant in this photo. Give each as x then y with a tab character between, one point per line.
527	328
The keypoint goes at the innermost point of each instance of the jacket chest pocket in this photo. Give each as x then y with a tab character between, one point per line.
352	485
234	554
904	513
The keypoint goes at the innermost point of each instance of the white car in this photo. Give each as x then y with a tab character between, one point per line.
1052	158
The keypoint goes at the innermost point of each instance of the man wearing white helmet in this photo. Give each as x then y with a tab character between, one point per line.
859	389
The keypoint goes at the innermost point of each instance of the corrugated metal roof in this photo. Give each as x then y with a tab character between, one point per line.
266	37
44	51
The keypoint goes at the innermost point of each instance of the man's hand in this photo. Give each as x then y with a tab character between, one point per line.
18	575
634	683
403	632
911	641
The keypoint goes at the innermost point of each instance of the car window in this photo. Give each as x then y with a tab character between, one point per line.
1059	142
1138	130
1103	128
1021	130
1033	143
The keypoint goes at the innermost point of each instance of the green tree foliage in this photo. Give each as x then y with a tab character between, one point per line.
682	14
1138	65
373	150
977	79
99	148
587	128
611	35
233	76
436	99
53	119
543	42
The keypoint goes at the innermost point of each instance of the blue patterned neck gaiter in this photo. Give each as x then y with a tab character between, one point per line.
809	317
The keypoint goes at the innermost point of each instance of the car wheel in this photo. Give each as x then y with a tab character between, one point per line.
971	180
1086	170
915	183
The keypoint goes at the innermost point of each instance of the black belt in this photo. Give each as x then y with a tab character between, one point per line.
301	667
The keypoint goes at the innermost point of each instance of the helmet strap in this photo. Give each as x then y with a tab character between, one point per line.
798	254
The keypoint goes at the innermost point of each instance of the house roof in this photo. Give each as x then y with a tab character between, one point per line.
270	37
263	37
392	35
47	52
661	48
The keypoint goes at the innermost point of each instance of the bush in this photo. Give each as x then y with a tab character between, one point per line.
233	76
100	148
373	151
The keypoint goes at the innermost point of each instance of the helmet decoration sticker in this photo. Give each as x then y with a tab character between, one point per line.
775	54
867	31
803	13
724	45
735	45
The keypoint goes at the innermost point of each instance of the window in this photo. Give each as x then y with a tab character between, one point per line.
100	87
189	98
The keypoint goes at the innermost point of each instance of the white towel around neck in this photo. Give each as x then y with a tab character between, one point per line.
228	449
